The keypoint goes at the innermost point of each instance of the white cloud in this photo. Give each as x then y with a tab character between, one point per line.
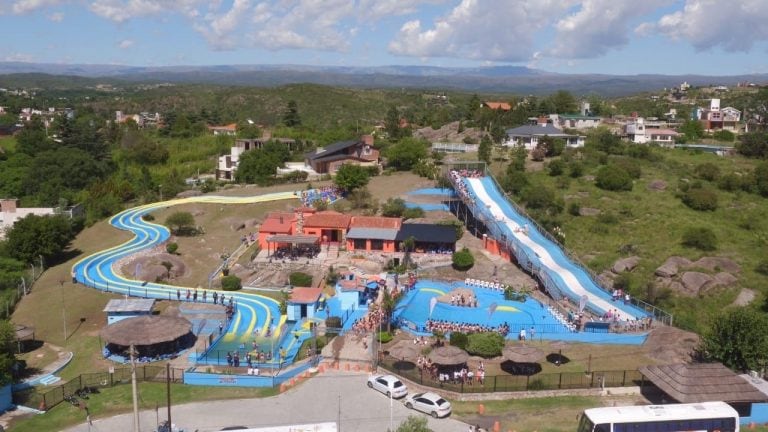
221	30
125	44
56	17
481	30
120	11
377	9
26	6
19	57
598	26
706	24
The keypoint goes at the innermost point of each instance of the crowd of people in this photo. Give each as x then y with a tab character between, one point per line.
458	175
462	300
452	326
371	321
461	375
194	295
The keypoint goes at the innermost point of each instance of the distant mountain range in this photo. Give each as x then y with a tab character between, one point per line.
496	79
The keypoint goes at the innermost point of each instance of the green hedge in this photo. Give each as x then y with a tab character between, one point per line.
231	283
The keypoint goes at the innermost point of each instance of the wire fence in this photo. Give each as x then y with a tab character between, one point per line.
512	383
12	290
45	400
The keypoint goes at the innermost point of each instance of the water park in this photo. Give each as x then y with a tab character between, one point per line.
258	340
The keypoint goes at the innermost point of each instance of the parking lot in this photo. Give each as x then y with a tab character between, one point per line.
334	396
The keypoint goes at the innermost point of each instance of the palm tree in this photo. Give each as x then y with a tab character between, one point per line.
408	245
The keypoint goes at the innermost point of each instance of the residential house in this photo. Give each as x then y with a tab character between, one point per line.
373	233
143	119
10	212
500	106
276	223
528	136
226	130
227	164
639	131
578	121
328	159
715	118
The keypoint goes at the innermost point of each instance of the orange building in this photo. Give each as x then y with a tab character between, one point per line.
373	233
328	226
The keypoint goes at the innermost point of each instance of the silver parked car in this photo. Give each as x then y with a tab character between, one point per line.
390	385
430	403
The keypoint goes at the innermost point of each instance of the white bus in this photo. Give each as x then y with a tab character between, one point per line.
703	416
310	427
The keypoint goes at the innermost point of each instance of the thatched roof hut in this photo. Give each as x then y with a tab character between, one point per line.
703	382
522	353
152	336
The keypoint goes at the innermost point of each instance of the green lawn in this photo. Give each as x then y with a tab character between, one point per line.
652	222
116	400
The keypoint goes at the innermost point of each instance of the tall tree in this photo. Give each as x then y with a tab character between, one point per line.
351	177
34	236
563	102
485	149
33	138
739	339
405	154
291	117
392	123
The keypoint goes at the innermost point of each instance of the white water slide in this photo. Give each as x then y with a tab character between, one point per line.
573	286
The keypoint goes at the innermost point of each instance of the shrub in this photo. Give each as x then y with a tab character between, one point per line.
701	238
762	267
384	336
463	260
171	248
488	344
724	135
613	178
556	167
332	324
707	171
576	169
394	207
630	166
231	283
701	199
733	182
607	218
459	339
413	213
574	209
563	182
299	279
514	182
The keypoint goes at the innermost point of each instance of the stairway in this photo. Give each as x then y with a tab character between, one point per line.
333	250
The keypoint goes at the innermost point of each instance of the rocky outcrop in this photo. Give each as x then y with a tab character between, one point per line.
717	264
625	264
587	211
657	185
694	281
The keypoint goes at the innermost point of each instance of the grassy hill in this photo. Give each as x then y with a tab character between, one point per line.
649	223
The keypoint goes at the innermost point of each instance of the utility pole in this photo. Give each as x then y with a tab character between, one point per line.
168	394
63	310
134	389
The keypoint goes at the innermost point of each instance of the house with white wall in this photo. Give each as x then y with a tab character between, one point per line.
528	136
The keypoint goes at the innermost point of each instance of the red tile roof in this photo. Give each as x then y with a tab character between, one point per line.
375	222
232	127
277	222
327	219
498	105
304	295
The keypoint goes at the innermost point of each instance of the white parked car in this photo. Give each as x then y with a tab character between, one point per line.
430	403
390	385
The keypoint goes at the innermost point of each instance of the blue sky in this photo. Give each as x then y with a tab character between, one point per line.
711	37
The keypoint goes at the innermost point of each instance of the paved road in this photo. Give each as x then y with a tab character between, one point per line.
316	400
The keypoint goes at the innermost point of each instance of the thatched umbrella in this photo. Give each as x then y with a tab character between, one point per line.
405	350
448	355
522	353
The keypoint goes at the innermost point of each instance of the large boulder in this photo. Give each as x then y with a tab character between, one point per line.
588	211
694	281
724	279
625	264
657	185
606	279
717	264
667	270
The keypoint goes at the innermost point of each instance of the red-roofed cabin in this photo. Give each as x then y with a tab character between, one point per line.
501	106
373	233
329	226
275	223
303	303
